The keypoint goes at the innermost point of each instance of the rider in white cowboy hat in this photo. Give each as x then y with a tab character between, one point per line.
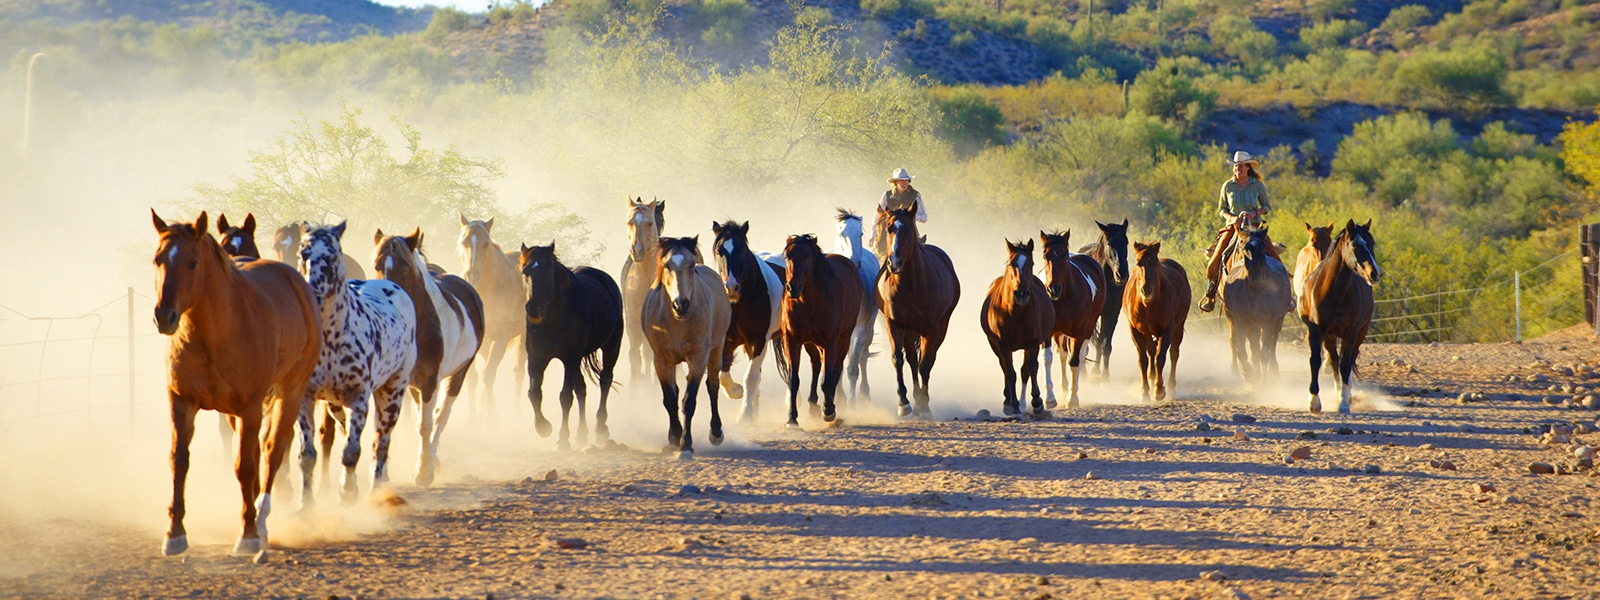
1243	201
901	196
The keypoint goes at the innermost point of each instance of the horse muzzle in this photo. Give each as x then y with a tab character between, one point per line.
680	309
1374	274
635	255
166	321
793	290
895	264
733	294
1021	297
1054	291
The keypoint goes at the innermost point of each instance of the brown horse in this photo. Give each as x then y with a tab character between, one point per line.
492	271
238	241
1255	296
1157	304
1017	315
1318	240
685	318
1338	306
245	341
917	292
646	221
822	296
1077	287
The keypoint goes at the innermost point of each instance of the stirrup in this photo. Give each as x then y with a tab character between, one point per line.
1208	304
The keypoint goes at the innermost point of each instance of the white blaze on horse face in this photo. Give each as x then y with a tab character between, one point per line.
172	254
1020	262
727	247
388	263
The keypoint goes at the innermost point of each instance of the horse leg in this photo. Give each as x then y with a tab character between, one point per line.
1238	351
580	393
834	357
896	340
1347	368
1030	373
1314	342
425	397
669	399
608	368
697	371
225	430
280	436
930	353
1172	373
536	369
859	357
757	353
358	405
1140	345
246	468
636	370
388	401
1049	385
1270	347
520	375
1164	344
814	352
1075	348
791	349
568	369
1009	372
725	373
716	413
914	363
183	411
495	351
333	421
308	452
441	417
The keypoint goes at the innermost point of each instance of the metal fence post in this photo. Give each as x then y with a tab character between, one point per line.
130	360
1516	292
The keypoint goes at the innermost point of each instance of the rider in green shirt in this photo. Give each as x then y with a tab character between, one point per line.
1242	202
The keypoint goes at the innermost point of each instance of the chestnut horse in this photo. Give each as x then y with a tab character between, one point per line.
1255	295
244	343
848	244
1338	306
1111	251
646	221
492	271
685	318
575	316
1318	240
1018	315
754	287
240	241
1157	302
1077	287
917	293
820	302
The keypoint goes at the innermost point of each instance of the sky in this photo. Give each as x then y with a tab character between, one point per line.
466	5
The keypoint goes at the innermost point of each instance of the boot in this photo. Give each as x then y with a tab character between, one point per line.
1209	303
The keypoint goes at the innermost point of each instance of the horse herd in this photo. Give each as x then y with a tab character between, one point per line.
265	344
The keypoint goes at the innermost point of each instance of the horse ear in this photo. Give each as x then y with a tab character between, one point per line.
524	249
1156	248
222	222
338	230
1367	226
661	214
1102	226
1350	224
377	237
744	228
415	239
200	224
1308	226
463	219
1139	246
161	225
1330	226
249	224
716	228
1028	245
489	224
1066	236
1124	223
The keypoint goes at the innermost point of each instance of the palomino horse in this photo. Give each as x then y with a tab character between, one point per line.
238	241
369	348
754	287
646	221
1338	306
1157	302
1077	287
1318	240
820	305
449	332
1255	296
244	343
916	294
575	316
1111	251
1017	315
685	318
848	244
286	244
493	273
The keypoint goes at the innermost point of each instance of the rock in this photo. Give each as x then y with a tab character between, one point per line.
1301	453
687	489
570	543
1308	435
1590	402
1572	515
1090	476
1580	390
1235	594
629	488
1345	431
1082	455
1239	436
742	596
1464	398
552	476
1551	401
1374	469
1202	426
1442	465
1041	580
1213	576
1288	460
1583	453
1242	418
1426	447
983	413
1484	488
1540	468
1511	500
527	480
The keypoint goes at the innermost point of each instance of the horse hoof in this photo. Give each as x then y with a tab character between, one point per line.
602	434
175	546
1007	409
260	558
735	391
747	416
1344	408
563	446
1072	404
905	410
1051	403
542	427
792	424
424	479
247	547
347	498
832	423
1316	405
686	455
716	438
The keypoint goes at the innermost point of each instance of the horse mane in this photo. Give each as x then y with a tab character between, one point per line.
845	214
667	246
820	269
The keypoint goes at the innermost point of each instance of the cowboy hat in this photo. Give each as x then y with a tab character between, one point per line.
900	175
1241	157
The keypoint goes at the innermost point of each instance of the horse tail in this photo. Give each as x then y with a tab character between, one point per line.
591	368
783	361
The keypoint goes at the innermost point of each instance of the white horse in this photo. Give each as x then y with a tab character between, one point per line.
848	244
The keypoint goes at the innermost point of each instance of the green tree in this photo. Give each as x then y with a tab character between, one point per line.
1470	78
1170	91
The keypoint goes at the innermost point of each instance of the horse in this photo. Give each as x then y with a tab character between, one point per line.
1319	239
646	221
820	306
754	287
493	273
848	244
1338	306
1017	315
449	333
1157	302
1255	295
685	319
369	348
1077	287
1111	251
286	244
244	344
240	241
916	293
575	316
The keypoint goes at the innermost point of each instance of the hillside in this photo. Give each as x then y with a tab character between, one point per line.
302	20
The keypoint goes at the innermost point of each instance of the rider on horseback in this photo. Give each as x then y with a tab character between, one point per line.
1243	203
901	196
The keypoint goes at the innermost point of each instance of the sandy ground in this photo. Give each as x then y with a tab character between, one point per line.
1114	500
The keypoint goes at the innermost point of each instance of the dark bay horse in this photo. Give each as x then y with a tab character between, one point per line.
1338	306
245	341
1111	251
685	318
754	288
1017	314
917	292
1255	296
238	241
1157	302
822	297
1077	287
492	271
575	316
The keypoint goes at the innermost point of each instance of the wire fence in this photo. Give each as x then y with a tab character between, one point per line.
90	363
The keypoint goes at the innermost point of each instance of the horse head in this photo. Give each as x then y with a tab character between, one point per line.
185	255
322	258
286	241
903	237
1056	253
1253	247
1019	266
241	240
398	257
1114	242
546	276
675	271
802	256
849	228
1147	262
645	223
474	239
1319	238
732	247
1361	251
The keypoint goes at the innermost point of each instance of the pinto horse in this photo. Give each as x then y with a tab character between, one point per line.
685	318
244	343
1318	240
1111	251
492	271
575	316
646	221
1157	302
1255	295
848	244
916	293
1018	315
1338	306
754	287
1077	287
820	304
449	332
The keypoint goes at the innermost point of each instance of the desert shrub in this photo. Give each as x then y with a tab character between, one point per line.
1468	78
1331	34
968	119
1170	91
1236	37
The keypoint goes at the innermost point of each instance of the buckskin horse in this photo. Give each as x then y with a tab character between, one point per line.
646	221
685	318
1255	295
848	244
1077	288
916	293
1318	240
754	287
575	316
1338	307
449	332
1111	251
1017	315
1157	302
244	343
492	271
820	304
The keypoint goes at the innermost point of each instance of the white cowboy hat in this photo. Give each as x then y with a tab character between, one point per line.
900	175
1242	157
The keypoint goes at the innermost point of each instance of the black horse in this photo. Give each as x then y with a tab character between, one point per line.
1112	254
575	316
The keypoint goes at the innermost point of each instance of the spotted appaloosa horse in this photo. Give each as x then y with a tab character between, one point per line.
1077	287
244	343
286	244
646	221
492	271
685	318
754	287
449	331
574	316
1111	251
1157	302
848	244
1017	314
1338	307
916	293
369	348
